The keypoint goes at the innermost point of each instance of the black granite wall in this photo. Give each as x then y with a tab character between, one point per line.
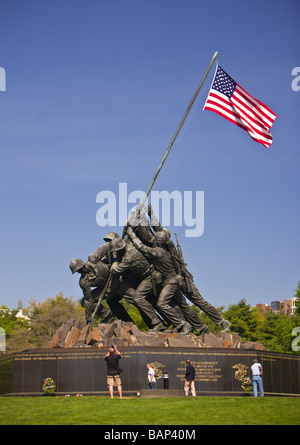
84	370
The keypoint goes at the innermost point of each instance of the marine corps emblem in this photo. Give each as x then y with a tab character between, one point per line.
157	369
241	371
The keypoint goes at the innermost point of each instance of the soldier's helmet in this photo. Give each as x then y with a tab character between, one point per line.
76	264
111	236
117	244
162	237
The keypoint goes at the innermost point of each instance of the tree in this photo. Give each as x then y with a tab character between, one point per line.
134	313
47	316
44	319
9	321
276	332
243	320
13	325
297	295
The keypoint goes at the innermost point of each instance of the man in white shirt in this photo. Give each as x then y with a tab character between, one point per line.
257	370
151	377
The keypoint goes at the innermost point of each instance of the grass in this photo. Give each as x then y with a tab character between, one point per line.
91	410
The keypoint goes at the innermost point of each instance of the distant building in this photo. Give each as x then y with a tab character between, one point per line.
286	307
276	306
264	307
21	315
289	306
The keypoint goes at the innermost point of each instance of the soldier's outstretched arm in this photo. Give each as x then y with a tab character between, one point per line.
155	224
99	254
118	268
135	240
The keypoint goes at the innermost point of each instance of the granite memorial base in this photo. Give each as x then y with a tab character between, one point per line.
219	371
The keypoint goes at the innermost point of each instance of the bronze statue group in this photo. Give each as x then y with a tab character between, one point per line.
145	268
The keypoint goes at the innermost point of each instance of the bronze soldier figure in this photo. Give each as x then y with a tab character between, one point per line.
92	276
120	286
187	285
163	264
132	260
104	251
142	229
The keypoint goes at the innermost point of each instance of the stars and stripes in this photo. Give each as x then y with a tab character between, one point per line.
231	101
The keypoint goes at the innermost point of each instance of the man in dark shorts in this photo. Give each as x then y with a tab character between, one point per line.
113	371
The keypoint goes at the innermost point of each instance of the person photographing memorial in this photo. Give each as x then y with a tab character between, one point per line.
113	371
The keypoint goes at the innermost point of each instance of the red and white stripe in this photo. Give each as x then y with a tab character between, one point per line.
245	111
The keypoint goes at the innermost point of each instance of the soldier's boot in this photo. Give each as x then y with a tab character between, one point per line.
158	327
225	325
107	319
204	330
186	329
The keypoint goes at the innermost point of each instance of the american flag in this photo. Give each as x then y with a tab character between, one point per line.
230	100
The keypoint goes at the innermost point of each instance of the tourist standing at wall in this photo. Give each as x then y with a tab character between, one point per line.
257	371
189	379
151	377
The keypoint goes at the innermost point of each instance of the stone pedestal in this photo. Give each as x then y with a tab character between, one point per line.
73	334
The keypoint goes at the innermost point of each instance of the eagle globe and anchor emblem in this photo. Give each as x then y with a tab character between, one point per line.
157	369
241	371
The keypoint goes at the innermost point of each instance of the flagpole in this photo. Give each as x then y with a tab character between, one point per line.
179	127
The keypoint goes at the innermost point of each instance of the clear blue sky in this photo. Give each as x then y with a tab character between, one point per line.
94	93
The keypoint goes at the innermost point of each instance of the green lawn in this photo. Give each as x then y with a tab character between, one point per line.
136	411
